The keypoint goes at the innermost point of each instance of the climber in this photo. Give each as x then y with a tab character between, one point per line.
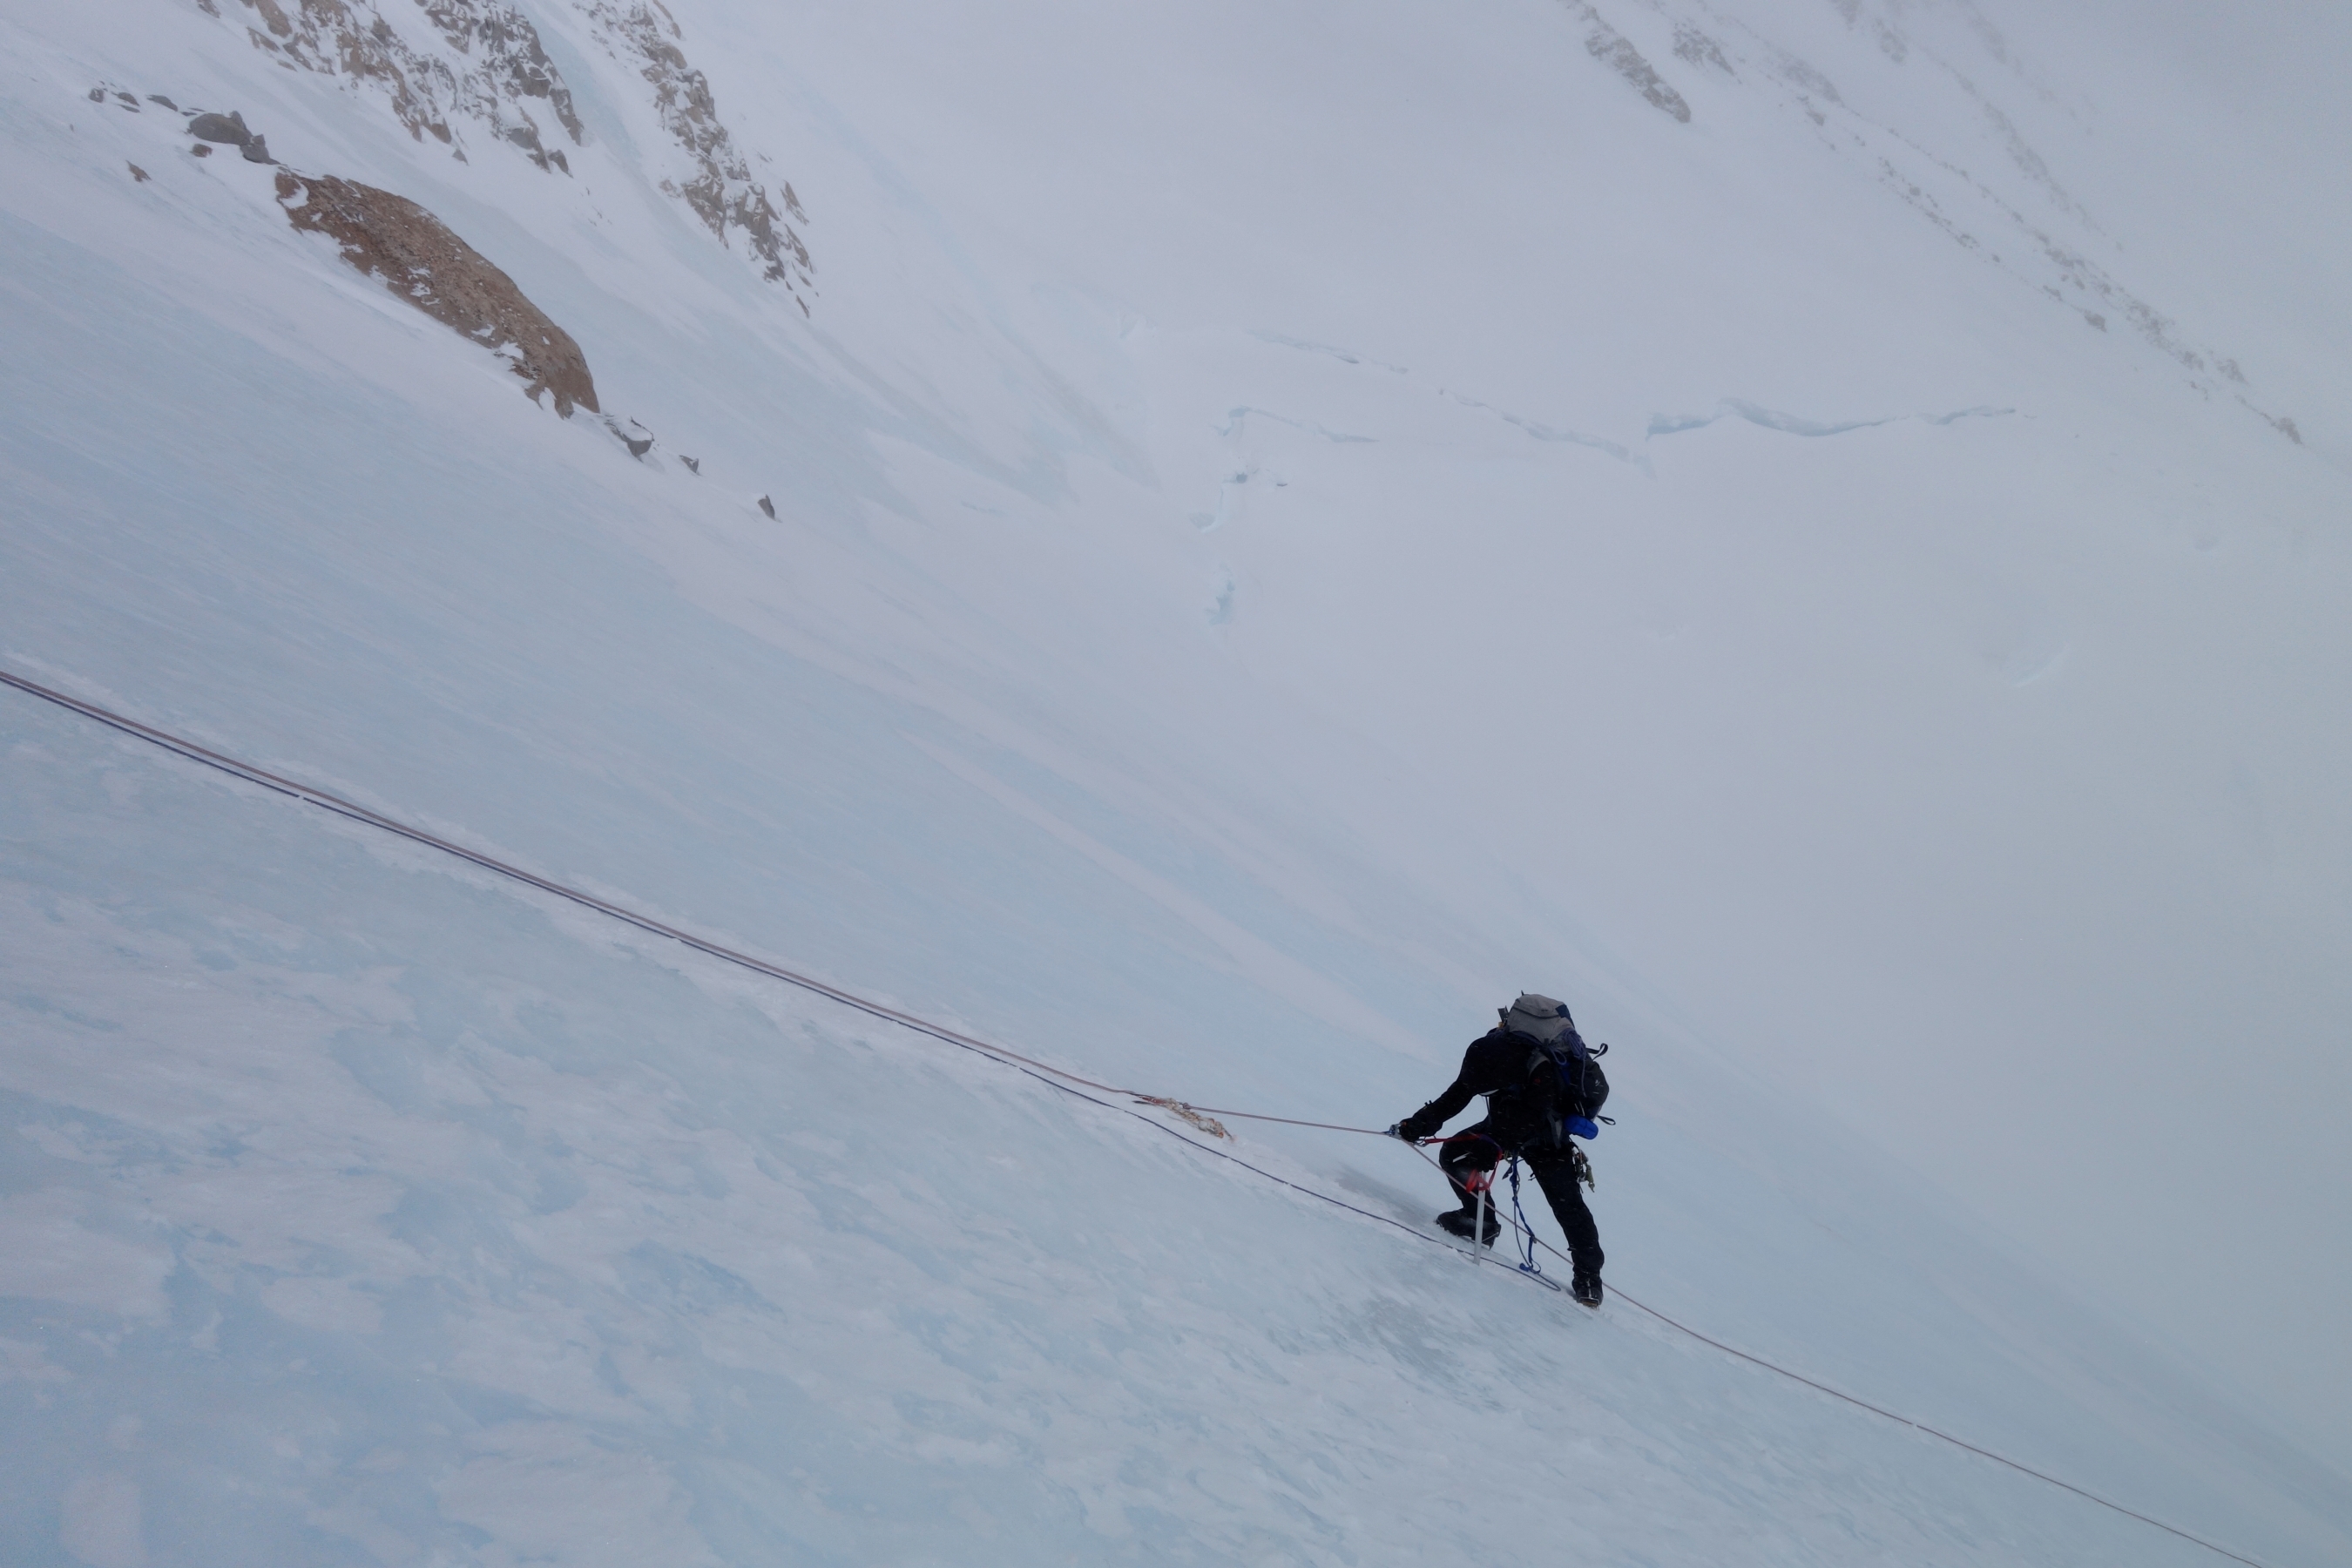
1542	1085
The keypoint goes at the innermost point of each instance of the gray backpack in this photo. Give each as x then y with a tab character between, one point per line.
1544	1022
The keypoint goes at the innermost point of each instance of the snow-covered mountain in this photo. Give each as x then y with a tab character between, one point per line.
1211	547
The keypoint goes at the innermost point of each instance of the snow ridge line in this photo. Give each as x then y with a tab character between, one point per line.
1052	1077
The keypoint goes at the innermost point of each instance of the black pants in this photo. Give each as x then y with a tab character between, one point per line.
1475	1148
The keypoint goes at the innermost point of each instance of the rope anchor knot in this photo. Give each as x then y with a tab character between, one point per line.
1205	1122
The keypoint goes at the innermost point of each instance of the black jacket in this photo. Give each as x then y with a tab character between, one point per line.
1525	1093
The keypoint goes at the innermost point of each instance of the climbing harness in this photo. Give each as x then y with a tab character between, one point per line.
1202	1118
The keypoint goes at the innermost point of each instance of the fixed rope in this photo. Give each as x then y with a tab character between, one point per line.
1202	1118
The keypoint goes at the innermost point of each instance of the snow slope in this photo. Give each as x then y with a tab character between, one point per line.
1292	524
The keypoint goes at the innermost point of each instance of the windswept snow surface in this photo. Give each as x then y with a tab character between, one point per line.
1816	531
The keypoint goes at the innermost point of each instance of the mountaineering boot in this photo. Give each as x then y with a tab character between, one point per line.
1461	1222
1588	1289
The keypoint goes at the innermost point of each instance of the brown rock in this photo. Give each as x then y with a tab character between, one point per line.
420	261
139	177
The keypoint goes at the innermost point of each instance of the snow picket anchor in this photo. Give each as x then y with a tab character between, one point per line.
1197	1118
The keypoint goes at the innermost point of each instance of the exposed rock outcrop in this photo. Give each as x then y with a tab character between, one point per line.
719	187
1615	50
513	66
638	446
446	66
494	63
230	131
424	262
225	128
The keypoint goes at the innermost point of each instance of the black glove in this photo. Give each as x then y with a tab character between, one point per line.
1412	1129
